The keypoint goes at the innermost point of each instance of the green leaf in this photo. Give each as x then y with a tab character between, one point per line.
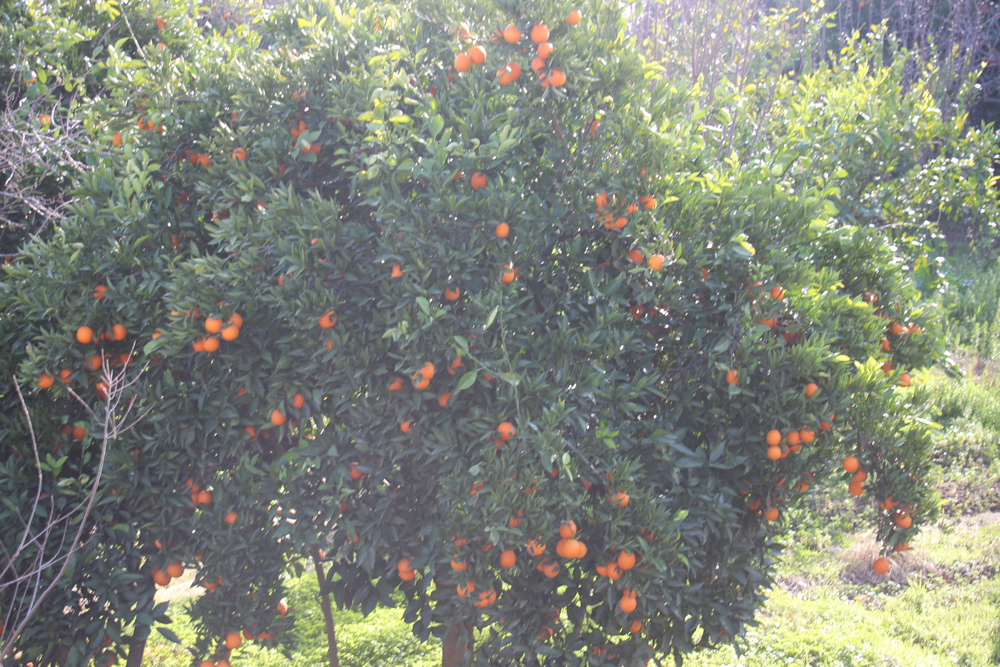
169	634
437	124
468	379
492	316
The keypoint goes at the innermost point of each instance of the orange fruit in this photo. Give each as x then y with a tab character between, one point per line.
208	663
160	577
464	590
887	368
502	230
511	34
903	520
811	389
904	380
540	33
233	640
648	202
902	546
84	335
544	50
45	380
535	548
824	425
463	62
856	488
513	70
354	473
626	560
239	154
443	399
486	598
549	569
102	389
771	514
792	437
327	321
806	436
860	476
774	452
278	417
636	627
397	272
851	463
777	292
210	344
396	384
503	78
116	139
298	400
79	433
506	431
174	570
574	17
732	377
635	256
613	571
204	160
575	549
478	55
507	559
458	566
237	320
568	530
230	518
213	325
773	437
557	78
406	426
230	333
881	565
508	274
897	328
656	261
620	498
537	64
203	498
627	604
478	181
451	294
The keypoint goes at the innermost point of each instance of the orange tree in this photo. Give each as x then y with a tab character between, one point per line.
460	297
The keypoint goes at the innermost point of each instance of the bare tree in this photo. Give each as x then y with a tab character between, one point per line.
51	535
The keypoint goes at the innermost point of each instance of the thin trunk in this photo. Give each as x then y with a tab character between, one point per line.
324	602
136	650
452	650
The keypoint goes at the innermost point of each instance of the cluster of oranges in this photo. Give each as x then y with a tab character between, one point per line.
229	330
612	216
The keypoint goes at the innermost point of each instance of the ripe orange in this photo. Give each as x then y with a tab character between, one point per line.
116	138
856	488
811	389
174	570
506	431
406	426
102	389
210	344
239	154
656	261
513	70
298	400
635	256
771	514
806	436
278	417
544	50
613	571
626	560
881	565
463	62
230	518
897	328
84	335
824	425
887	368
537	64
535	548
732	377
396	384
574	17
79	433
568	530
851	463
233	640
648	202
549	569
160	577
327	321
774	452
904	380
557	78
464	590
443	399
213	325
478	55
507	559
45	380
860	476
773	437
230	333
203	498
208	663
620	498
636	627
903	520
627	604
540	33
902	546
792	437
478	181
458	566
511	34
397	272
451	294
486	598
502	230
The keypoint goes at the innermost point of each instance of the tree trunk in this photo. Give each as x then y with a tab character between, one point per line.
324	601
136	650
452	650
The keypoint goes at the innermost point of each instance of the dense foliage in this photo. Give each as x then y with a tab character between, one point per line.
406	319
